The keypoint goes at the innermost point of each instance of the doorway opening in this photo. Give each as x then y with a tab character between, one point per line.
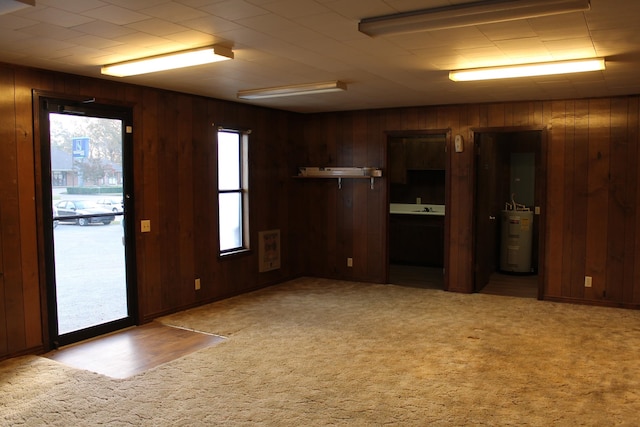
85	188
417	203
509	197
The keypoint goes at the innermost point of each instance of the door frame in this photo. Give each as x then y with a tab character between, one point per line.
44	216
544	138
447	193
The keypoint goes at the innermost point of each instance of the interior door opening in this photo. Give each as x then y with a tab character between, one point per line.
417	186
86	177
508	203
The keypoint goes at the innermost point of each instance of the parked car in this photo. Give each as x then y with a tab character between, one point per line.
55	216
114	205
75	208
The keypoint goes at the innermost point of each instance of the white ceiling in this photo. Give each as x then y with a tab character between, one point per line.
281	42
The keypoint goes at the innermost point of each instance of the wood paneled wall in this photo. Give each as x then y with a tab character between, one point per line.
174	187
591	227
592	220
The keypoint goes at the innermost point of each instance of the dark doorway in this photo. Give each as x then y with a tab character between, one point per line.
416	167
508	174
85	155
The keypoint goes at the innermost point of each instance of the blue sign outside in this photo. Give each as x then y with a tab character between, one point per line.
80	148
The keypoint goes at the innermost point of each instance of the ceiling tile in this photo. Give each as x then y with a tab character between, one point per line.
51	31
56	16
104	29
116	15
294	8
157	27
15	22
174	12
75	6
234	10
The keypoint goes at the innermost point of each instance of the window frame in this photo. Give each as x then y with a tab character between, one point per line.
243	190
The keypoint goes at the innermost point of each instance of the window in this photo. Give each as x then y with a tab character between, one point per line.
233	191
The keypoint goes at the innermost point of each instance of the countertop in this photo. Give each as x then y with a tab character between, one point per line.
414	209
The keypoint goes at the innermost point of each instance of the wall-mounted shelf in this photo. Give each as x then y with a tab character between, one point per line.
340	172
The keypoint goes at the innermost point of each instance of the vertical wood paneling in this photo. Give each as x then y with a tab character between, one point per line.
467	207
413	118
379	211
15	332
13	292
360	208
4	322
631	291
521	114
541	115
26	196
619	208
579	198
462	202
598	195
205	216
509	114
168	181
462	167
496	115
555	206
185	197
336	233
566	198
348	153
147	191
7	114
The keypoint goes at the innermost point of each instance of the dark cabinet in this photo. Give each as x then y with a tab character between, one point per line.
424	155
406	154
397	169
416	240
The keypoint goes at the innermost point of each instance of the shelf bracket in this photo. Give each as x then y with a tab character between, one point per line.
372	180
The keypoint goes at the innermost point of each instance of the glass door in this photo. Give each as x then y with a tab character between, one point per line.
84	152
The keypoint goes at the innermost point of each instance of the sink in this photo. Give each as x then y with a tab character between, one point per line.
413	209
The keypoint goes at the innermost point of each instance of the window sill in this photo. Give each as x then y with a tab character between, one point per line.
234	254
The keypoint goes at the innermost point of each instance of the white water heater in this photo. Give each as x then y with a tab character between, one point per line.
516	240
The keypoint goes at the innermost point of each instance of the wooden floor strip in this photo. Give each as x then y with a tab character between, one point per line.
133	351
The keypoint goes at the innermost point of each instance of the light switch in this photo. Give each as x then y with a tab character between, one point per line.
145	225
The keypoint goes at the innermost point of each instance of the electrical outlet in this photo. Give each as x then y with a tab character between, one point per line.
418	200
587	281
145	225
349	262
197	284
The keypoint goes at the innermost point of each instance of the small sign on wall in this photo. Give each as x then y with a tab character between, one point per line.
269	250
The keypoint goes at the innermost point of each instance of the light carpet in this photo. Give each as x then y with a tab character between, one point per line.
315	352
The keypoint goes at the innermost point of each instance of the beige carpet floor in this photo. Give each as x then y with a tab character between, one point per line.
314	352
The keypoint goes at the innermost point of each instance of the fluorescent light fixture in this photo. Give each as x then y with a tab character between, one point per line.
169	61
528	70
292	90
467	14
8	6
